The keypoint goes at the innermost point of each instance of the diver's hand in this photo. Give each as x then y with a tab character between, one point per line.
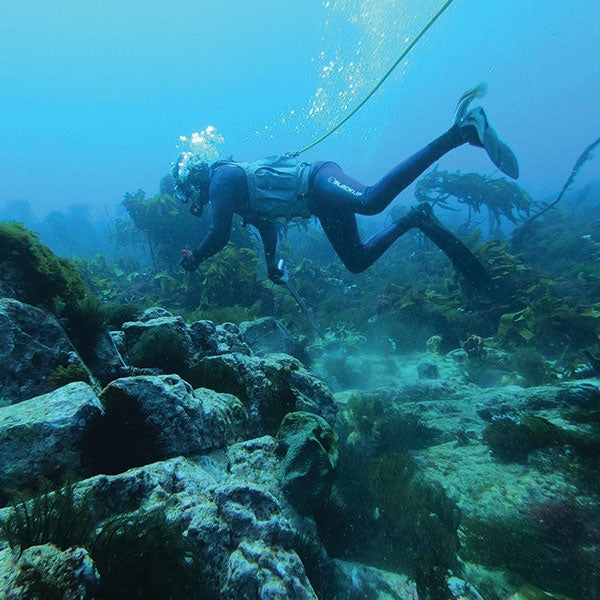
188	262
276	275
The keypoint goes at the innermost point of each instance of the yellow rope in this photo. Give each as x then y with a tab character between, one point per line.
387	74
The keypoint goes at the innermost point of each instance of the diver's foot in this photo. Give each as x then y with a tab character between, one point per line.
476	130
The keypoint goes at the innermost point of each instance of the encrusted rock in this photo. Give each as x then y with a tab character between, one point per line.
185	421
43	435
309	450
105	359
357	582
236	523
213	340
270	387
32	345
268	335
256	570
68	574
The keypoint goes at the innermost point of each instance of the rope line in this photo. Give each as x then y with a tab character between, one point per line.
380	82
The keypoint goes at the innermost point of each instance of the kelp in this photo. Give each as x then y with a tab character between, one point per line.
501	197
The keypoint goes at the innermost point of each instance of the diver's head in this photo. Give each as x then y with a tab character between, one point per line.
191	175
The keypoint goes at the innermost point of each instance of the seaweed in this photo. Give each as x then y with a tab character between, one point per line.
501	197
64	375
33	272
49	516
512	440
141	555
161	348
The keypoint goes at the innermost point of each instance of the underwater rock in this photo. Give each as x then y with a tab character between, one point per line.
256	570
428	370
268	335
308	447
357	582
105	360
32	346
213	340
461	590
173	330
269	387
43	435
487	369
236	523
184	421
65	574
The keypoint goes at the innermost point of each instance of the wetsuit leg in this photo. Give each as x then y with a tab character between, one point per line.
333	189
342	231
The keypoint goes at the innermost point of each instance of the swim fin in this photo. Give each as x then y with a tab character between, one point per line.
464	261
500	154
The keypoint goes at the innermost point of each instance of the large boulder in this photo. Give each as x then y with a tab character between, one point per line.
44	435
267	336
269	387
237	524
308	448
32	346
182	421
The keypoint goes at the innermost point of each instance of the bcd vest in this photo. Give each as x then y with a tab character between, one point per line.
277	186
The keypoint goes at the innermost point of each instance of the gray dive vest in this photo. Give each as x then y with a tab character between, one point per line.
277	186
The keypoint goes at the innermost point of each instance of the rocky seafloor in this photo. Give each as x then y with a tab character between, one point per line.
449	481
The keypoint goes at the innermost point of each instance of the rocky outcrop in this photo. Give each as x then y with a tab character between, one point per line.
237	524
32	346
269	387
44	435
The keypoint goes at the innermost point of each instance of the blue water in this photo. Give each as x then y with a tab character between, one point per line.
94	97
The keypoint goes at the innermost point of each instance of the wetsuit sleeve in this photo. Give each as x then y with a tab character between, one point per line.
268	235
222	202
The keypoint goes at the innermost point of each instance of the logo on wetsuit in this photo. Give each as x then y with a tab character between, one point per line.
343	186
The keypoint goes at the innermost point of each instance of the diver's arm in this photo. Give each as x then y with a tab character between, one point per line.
268	235
218	234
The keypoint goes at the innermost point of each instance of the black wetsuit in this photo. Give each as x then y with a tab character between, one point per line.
335	199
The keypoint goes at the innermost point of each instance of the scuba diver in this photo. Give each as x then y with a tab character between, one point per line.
281	186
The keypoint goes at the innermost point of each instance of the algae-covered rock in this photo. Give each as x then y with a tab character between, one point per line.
31	272
45	572
236	524
149	418
44	435
213	340
269	387
308	448
161	342
32	346
268	335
